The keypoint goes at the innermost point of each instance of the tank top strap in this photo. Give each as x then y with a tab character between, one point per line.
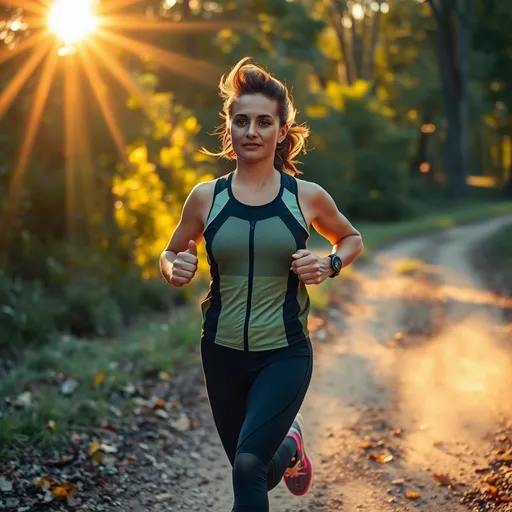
290	183
220	198
290	198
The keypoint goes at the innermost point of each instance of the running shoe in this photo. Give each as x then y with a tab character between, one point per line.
299	475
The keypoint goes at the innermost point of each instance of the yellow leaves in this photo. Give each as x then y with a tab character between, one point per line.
365	445
413	495
169	156
191	125
317	111
139	155
162	129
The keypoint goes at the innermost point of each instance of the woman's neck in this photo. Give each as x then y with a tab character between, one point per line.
255	175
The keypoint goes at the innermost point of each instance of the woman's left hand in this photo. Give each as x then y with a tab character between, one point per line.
310	268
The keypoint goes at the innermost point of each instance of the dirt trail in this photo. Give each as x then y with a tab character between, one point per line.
414	366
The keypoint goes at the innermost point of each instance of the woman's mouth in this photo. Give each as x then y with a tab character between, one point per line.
251	145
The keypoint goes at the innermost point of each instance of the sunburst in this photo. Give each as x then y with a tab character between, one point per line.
82	31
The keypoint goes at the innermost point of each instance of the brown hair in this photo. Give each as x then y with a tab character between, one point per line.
246	78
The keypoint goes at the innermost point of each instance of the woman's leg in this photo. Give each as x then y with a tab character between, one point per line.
227	392
264	451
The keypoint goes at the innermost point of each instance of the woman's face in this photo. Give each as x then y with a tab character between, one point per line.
255	128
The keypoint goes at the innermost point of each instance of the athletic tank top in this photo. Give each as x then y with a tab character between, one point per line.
255	302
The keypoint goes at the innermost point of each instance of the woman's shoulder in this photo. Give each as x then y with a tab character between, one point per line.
205	189
308	189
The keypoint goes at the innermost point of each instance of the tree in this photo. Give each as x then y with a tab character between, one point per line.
453	42
493	37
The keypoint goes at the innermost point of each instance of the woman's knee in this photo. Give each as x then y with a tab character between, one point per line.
249	471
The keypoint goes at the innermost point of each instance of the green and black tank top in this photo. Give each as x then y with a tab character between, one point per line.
255	302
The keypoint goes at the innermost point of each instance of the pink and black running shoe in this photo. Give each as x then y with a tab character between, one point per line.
299	475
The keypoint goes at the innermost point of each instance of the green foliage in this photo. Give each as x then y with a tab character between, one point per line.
368	174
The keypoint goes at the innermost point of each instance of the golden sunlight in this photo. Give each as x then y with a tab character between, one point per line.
72	20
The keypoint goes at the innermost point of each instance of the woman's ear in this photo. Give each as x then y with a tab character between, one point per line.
283	131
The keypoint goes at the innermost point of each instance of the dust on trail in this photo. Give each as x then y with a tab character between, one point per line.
414	366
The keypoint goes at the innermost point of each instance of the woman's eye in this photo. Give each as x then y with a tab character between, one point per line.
240	122
265	123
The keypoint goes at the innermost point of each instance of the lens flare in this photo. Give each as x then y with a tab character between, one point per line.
72	20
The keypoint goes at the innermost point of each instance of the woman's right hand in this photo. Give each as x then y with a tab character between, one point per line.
185	266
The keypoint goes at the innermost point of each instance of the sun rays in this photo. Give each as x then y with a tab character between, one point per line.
86	33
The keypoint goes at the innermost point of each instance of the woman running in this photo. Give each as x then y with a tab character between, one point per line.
255	347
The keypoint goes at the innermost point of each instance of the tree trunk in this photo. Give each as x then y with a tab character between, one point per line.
453	67
370	60
337	12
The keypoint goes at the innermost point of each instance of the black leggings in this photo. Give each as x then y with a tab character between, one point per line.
254	397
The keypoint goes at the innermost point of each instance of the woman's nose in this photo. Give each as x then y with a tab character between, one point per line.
251	130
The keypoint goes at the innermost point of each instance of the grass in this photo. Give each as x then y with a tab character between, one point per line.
103	367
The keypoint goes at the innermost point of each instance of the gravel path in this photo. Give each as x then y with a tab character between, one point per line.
409	407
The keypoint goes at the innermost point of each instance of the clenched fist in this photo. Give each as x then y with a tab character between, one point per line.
310	268
185	266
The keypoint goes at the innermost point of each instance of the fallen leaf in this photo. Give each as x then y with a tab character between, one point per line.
437	443
397	431
502	438
99	378
412	495
65	490
95	446
381	459
443	480
365	445
159	403
506	457
398	481
490	491
44	482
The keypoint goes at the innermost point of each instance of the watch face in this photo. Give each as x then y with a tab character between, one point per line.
336	263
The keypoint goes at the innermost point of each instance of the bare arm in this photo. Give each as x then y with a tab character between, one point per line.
320	210
335	227
190	227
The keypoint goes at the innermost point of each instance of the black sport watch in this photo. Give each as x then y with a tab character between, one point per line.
336	264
